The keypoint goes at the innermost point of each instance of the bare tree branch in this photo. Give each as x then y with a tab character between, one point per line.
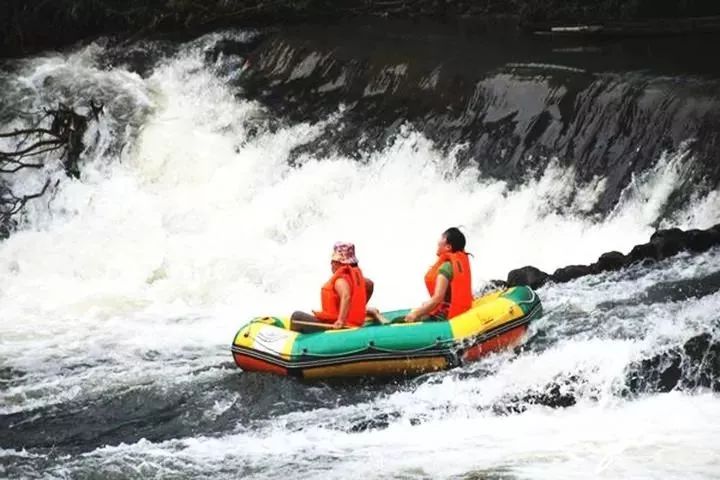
26	151
19	166
64	134
16	133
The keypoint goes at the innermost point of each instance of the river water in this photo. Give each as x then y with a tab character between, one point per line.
200	206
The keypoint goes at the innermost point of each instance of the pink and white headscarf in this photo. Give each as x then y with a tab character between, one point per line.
344	252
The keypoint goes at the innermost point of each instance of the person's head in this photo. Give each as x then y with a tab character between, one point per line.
343	255
452	240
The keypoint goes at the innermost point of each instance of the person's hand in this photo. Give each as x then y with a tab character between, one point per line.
338	324
411	317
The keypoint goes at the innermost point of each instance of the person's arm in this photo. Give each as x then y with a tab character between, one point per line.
441	286
342	288
369	289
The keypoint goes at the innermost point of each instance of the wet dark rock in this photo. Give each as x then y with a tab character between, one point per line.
669	242
610	261
694	365
715	232
640	253
382	421
531	276
571	272
561	393
702	240
703	367
378	422
555	396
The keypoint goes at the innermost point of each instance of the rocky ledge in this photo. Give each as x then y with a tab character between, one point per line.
662	244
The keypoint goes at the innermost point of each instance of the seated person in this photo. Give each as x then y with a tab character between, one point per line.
448	281
343	297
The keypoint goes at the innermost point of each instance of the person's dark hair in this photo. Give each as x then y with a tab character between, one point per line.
455	238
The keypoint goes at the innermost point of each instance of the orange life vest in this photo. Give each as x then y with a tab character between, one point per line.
330	300
460	286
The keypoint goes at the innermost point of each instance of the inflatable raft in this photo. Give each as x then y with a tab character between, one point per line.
497	320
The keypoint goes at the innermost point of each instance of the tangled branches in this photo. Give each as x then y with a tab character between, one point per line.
62	132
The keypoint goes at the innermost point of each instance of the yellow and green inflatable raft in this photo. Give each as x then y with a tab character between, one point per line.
497	320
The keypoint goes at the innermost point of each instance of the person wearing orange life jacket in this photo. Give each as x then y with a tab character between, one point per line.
344	296
448	281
